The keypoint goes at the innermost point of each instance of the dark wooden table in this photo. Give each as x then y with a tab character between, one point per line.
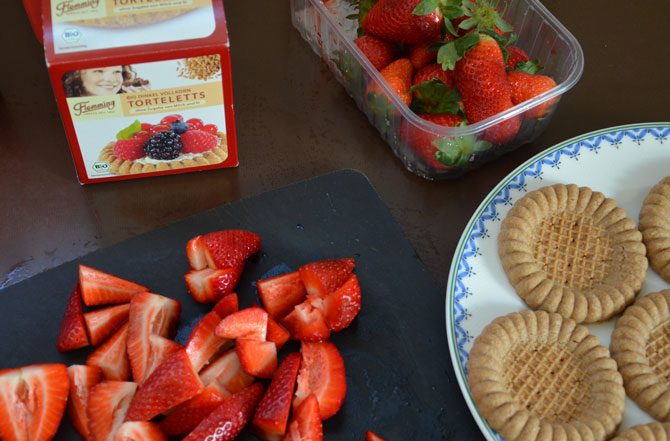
294	121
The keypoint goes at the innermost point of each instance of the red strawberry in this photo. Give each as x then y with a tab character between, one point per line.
129	149
393	20
227	373
370	436
210	285
342	306
423	142
258	358
142	135
139	431
150	314
203	343
169	119
195	122
516	56
322	374
196	253
398	75
325	276
171	383
32	401
103	322
227	305
186	417
431	71
420	56
228	420
111	356
276	333
482	80
526	86
158	128
197	141
107	406
307	322
272	413
210	128
72	329
231	247
306	423
99	288
82	379
379	52
250	323
281	293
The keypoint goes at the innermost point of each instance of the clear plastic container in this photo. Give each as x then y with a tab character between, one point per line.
540	35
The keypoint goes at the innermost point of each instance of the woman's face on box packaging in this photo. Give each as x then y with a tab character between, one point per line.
102	80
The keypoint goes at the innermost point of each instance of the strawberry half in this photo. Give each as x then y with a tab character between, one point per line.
323	277
227	305
103	322
32	401
277	334
258	358
272	413
249	323
370	436
186	417
72	329
229	248
226	371
100	288
196	253
307	322
82	379
342	306
281	293
111	356
198	141
306	423
228	420
130	149
173	382
107	407
211	284
322	374
203	343
139	431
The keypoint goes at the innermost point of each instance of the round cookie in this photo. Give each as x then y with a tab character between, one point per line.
571	250
539	376
645	432
641	347
655	227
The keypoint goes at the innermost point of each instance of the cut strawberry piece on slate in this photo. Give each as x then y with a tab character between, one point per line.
281	293
150	314
186	417
249	323
323	277
100	288
342	306
171	383
227	305
203	343
258	358
103	322
271	417
139	431
370	436
72	329
307	322
211	284
277	334
226	371
231	247
161	348
107	407
322	374
112	357
195	253
306	422
228	420
32	401
82	379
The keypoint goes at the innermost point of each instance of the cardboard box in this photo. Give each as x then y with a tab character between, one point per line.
123	70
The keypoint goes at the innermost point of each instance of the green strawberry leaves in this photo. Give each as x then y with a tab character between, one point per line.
532	67
129	131
435	97
483	15
363	7
450	52
351	70
459	152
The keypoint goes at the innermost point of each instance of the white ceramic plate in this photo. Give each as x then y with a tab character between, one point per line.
621	162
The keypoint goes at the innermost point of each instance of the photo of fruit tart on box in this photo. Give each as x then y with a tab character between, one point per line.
169	145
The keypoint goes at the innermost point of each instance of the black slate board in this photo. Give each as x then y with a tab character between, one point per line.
400	381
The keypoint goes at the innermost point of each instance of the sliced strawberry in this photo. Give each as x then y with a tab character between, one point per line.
186	417
231	247
370	436
72	329
139	431
227	305
323	277
195	252
32	401
249	323
277	334
103	322
99	288
203	343
161	348
150	314
107	407
306	422
226	371
171	383
258	358
272	413
111	356
82	379
307	322
198	141
228	420
210	284
342	306
226	282
322	374
281	293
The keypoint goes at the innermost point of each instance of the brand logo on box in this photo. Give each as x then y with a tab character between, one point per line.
71	35
68	6
83	107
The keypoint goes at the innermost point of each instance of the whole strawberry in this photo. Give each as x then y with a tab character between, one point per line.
399	76
423	141
516	56
482	81
379	52
393	20
431	71
526	86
